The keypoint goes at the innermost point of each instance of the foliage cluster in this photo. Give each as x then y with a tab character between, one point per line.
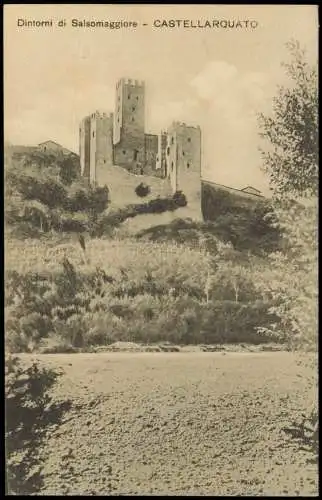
136	292
30	413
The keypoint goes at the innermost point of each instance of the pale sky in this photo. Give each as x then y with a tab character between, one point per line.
217	78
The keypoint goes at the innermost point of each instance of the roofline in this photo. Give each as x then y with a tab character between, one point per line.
251	187
49	140
231	188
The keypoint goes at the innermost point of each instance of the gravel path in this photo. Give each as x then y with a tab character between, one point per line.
179	423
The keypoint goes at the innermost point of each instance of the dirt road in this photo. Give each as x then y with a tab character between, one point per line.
178	423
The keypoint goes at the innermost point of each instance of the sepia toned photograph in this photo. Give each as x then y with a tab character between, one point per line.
161	249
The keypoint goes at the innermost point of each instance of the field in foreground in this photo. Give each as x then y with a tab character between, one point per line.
178	423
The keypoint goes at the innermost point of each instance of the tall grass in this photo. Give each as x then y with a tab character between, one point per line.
126	290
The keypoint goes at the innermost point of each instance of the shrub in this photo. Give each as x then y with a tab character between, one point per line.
156	292
180	199
292	278
142	190
30	410
231	322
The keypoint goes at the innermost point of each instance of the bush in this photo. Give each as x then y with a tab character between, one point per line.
231	322
142	190
292	278
155	292
29	412
46	192
180	199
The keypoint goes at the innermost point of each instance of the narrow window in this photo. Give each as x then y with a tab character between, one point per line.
124	152
135	154
137	97
183	153
168	151
129	96
189	139
172	166
172	140
188	165
93	134
133	108
132	118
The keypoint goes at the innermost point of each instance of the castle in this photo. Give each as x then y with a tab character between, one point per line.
120	139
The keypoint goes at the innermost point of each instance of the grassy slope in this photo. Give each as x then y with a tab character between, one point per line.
179	424
122	186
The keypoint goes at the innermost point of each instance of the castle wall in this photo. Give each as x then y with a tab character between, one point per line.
183	162
171	159
84	146
161	156
120	139
129	125
101	143
151	152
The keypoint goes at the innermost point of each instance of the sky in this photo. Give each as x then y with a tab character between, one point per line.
218	78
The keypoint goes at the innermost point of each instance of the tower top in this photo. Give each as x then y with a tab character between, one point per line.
130	82
101	114
177	124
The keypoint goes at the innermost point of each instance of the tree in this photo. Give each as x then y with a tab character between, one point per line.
291	161
292	164
69	169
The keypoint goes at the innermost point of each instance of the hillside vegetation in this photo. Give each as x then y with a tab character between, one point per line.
78	278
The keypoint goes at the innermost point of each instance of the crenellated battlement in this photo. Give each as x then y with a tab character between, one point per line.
100	115
130	82
177	124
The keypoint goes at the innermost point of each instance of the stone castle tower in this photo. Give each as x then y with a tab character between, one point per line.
95	144
129	124
120	139
180	155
